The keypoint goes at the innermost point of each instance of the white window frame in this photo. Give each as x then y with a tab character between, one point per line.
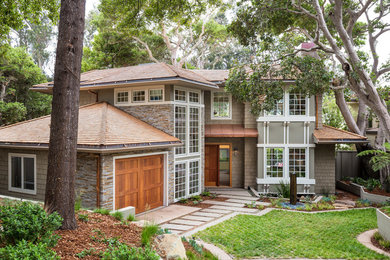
187	178
130	90
194	92
212	106
162	95
188	106
199	179
286	164
185	143
185	95
287	94
22	190
186	181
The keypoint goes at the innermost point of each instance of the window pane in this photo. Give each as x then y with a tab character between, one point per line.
180	95
180	128
221	105
28	168
297	104
16	172
155	94
297	161
194	97
277	110
194	130
180	180
275	162
194	177
122	97
138	95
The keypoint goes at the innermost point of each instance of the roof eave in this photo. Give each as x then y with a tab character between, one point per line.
166	80
340	141
96	148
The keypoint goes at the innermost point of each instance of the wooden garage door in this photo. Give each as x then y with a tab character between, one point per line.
139	182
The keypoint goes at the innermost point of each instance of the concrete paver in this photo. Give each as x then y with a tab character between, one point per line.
176	226
165	214
220	211
206	214
200	218
186	222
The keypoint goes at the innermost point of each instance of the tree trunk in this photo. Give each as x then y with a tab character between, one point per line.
60	188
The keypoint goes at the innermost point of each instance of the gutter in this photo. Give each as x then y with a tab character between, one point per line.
125	82
97	148
340	141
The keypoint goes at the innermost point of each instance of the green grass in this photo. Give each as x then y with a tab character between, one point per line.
147	233
282	234
386	210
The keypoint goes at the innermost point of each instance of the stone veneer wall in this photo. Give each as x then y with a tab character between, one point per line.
325	170
250	163
107	175
159	116
85	176
86	179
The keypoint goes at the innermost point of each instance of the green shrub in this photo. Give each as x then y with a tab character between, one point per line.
260	207
83	217
377	236
117	215
131	217
147	233
123	251
206	193
77	204
28	221
88	252
284	189
372	184
252	204
384	243
183	200
362	203
196	198
27	250
102	211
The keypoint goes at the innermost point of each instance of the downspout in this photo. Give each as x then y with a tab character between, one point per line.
96	94
98	160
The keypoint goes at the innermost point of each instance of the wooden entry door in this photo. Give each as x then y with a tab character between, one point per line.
139	182
211	168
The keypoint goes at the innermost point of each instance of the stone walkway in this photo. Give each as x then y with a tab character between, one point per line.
237	198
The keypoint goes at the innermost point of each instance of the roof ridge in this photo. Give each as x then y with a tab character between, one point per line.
344	131
173	68
169	67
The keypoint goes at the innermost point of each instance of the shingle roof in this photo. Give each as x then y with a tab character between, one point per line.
150	72
101	127
213	75
331	135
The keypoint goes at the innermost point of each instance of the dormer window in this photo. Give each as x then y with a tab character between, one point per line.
221	107
138	95
297	104
122	97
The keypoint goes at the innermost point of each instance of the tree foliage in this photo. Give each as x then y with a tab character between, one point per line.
13	14
338	29
18	73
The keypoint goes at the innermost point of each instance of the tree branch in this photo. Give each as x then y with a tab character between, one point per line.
147	48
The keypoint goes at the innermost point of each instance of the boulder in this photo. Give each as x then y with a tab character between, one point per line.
172	246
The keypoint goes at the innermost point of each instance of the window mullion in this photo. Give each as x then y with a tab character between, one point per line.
22	172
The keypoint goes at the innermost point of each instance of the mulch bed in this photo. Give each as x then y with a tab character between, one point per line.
201	205
378	191
376	243
75	241
344	195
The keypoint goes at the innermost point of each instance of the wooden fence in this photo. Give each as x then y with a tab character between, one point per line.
347	164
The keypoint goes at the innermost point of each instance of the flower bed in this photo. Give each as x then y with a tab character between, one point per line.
383	218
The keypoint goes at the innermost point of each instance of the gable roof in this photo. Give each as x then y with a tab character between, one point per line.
331	135
151	73
216	76
102	127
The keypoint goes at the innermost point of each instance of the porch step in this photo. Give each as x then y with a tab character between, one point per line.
247	210
238	197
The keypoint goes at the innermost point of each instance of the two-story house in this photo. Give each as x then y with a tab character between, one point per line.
152	134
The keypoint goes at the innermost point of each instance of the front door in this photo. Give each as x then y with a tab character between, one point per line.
211	168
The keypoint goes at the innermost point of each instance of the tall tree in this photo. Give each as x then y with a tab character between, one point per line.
338	30
60	183
17	74
183	25
13	14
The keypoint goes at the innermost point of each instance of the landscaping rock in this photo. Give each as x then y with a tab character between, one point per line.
171	244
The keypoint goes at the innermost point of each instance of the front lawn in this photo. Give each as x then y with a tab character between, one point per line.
283	234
